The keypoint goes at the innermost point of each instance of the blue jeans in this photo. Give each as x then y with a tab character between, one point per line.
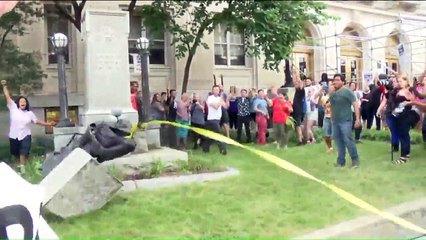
404	124
327	127
391	122
342	135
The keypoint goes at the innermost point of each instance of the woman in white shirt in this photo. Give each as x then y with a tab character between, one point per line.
20	133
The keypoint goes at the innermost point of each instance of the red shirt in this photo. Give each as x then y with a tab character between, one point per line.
280	110
133	101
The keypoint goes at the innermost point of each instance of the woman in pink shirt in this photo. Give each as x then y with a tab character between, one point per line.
20	133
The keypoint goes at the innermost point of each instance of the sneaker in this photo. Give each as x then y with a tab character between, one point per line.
355	166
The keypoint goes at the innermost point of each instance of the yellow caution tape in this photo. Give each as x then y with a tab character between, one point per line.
295	169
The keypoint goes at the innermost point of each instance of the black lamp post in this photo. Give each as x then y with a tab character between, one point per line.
142	45
60	42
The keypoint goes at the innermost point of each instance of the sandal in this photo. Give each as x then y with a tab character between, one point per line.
401	160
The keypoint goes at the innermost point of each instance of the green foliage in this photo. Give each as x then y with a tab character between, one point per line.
156	168
39	147
32	169
115	172
21	69
381	136
270	27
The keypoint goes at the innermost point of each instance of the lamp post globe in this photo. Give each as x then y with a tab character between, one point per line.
60	42
142	43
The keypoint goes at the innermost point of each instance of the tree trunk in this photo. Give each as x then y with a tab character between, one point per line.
287	73
186	72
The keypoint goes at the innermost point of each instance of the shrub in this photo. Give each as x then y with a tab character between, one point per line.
39	147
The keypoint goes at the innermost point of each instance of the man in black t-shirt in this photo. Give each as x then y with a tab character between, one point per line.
298	104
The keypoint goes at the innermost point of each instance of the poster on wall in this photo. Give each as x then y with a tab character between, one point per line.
137	66
367	78
402	53
20	208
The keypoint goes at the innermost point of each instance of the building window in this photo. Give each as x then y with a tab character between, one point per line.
228	47
303	55
52	114
56	24
391	53
156	42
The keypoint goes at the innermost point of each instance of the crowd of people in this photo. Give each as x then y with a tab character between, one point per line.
340	108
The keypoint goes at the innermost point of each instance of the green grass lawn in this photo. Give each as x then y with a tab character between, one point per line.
264	201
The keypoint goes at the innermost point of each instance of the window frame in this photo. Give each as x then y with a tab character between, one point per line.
71	109
132	43
48	44
228	45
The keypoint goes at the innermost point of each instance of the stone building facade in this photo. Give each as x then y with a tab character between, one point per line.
364	38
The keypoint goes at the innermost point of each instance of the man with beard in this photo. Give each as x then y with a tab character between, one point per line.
342	100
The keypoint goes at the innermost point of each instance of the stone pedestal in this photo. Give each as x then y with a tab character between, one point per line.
152	135
106	61
62	136
78	185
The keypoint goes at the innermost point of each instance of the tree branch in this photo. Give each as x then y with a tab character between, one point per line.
3	39
132	6
78	11
82	4
65	13
199	35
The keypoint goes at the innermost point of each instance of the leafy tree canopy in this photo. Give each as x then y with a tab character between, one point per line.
21	69
270	27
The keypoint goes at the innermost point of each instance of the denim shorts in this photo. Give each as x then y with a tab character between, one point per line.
328	127
20	147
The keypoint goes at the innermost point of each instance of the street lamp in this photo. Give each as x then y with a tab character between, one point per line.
60	42
142	44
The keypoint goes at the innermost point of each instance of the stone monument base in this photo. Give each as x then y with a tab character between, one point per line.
91	117
130	162
62	136
78	185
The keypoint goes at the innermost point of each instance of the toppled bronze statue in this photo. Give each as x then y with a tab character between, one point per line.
102	141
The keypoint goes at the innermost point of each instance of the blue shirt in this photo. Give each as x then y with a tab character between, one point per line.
261	104
252	99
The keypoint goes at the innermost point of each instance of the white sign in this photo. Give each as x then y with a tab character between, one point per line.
367	78
20	208
402	53
137	65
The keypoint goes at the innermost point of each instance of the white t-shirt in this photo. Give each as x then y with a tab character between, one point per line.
19	121
213	114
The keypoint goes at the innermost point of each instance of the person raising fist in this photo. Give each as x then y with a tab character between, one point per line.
19	131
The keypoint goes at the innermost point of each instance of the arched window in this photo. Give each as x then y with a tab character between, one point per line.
351	55
303	55
391	53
